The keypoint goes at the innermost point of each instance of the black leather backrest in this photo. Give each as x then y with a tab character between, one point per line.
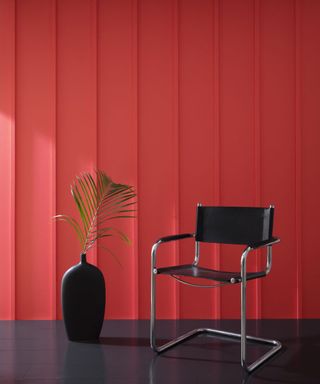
234	225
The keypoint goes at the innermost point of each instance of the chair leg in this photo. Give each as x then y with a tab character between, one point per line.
242	337
276	345
173	342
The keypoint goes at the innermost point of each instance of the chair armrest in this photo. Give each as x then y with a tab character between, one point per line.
265	243
174	237
166	239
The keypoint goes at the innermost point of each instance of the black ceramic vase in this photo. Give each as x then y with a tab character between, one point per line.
83	301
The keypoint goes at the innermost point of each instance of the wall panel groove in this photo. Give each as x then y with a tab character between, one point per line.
136	101
95	144
216	138
298	159
176	130
97	79
13	184
257	139
135	180
54	173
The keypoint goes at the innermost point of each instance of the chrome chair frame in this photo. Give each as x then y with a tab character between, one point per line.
242	337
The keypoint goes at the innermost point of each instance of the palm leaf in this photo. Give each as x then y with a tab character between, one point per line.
98	199
111	253
74	225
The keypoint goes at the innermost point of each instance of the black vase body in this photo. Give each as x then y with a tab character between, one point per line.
83	301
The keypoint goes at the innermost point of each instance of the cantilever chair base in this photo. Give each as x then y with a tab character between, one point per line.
275	345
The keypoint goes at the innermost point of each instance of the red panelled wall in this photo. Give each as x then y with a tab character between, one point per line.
212	101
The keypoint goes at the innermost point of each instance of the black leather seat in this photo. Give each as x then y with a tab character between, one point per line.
210	274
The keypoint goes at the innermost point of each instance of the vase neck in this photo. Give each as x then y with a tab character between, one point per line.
83	258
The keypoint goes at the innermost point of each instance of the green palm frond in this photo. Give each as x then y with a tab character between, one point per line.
99	201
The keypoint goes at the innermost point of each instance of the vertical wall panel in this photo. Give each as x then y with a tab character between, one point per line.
7	158
237	132
35	127
117	123
76	115
278	150
196	137
156	105
310	123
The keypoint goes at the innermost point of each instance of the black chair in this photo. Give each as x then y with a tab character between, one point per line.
229	225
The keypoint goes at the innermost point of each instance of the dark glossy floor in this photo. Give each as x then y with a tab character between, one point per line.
34	352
